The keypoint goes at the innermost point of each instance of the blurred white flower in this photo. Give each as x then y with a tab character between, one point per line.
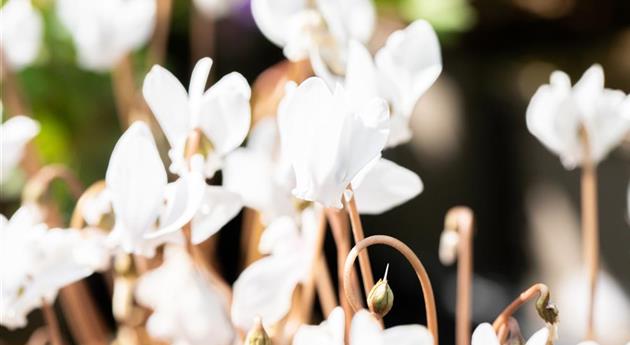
187	308
329	137
222	112
21	30
37	262
265	288
260	174
140	196
105	31
319	30
15	133
484	335
216	8
557	112
401	72
364	330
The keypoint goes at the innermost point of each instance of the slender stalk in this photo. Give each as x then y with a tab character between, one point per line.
202	35
590	230
353	296
308	295
325	288
251	231
158	44
357	232
124	90
40	183
460	219
52	323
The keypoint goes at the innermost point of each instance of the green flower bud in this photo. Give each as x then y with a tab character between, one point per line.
257	335
381	297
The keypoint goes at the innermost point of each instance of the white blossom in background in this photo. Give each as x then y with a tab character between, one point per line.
401	72
222	112
484	335
15	133
216	8
187	308
37	262
364	330
265	288
105	31
21	31
557	112
329	138
318	29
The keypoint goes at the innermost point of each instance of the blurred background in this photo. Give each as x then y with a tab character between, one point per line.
470	147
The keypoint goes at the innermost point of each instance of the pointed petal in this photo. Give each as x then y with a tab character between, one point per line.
484	335
198	80
385	186
539	338
588	89
217	209
168	101
408	335
225	114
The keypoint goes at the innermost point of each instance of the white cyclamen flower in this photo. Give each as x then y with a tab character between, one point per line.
558	113
15	133
187	309
329	138
364	330
318	29
21	30
401	72
105	31
222	112
37	262
265	288
484	335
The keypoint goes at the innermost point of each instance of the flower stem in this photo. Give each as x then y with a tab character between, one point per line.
124	90
308	295
357	232
590	231
52	323
158	44
325	288
460	219
353	296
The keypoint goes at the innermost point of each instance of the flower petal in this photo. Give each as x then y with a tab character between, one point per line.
15	133
217	209
408	335
21	32
539	338
273	16
365	330
329	332
198	80
484	335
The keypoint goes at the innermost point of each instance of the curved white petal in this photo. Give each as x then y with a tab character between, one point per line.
329	332
281	236
364	329
588	89
168	101
219	206
273	16
384	186
198	80
484	335
408	335
539	338
136	180
265	289
362	79
607	130
15	133
21	30
225	114
351	19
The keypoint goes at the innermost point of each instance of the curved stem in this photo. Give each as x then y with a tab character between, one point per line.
590	231
423	277
53	324
357	232
460	219
40	183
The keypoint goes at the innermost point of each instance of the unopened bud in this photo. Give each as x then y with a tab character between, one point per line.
381	297
257	335
547	311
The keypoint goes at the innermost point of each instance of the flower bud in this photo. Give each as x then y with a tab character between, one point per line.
257	335
381	297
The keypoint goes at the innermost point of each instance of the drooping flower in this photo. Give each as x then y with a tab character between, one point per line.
559	115
222	112
37	262
484	335
319	30
15	133
364	330
187	308
21	31
401	72
329	138
265	288
105	31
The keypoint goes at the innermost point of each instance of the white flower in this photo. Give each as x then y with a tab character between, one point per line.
317	29
260	174
15	133
484	335
187	308
265	288
37	262
557	112
329	138
21	31
401	72
364	330
105	31
222	112
140	196
216	8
